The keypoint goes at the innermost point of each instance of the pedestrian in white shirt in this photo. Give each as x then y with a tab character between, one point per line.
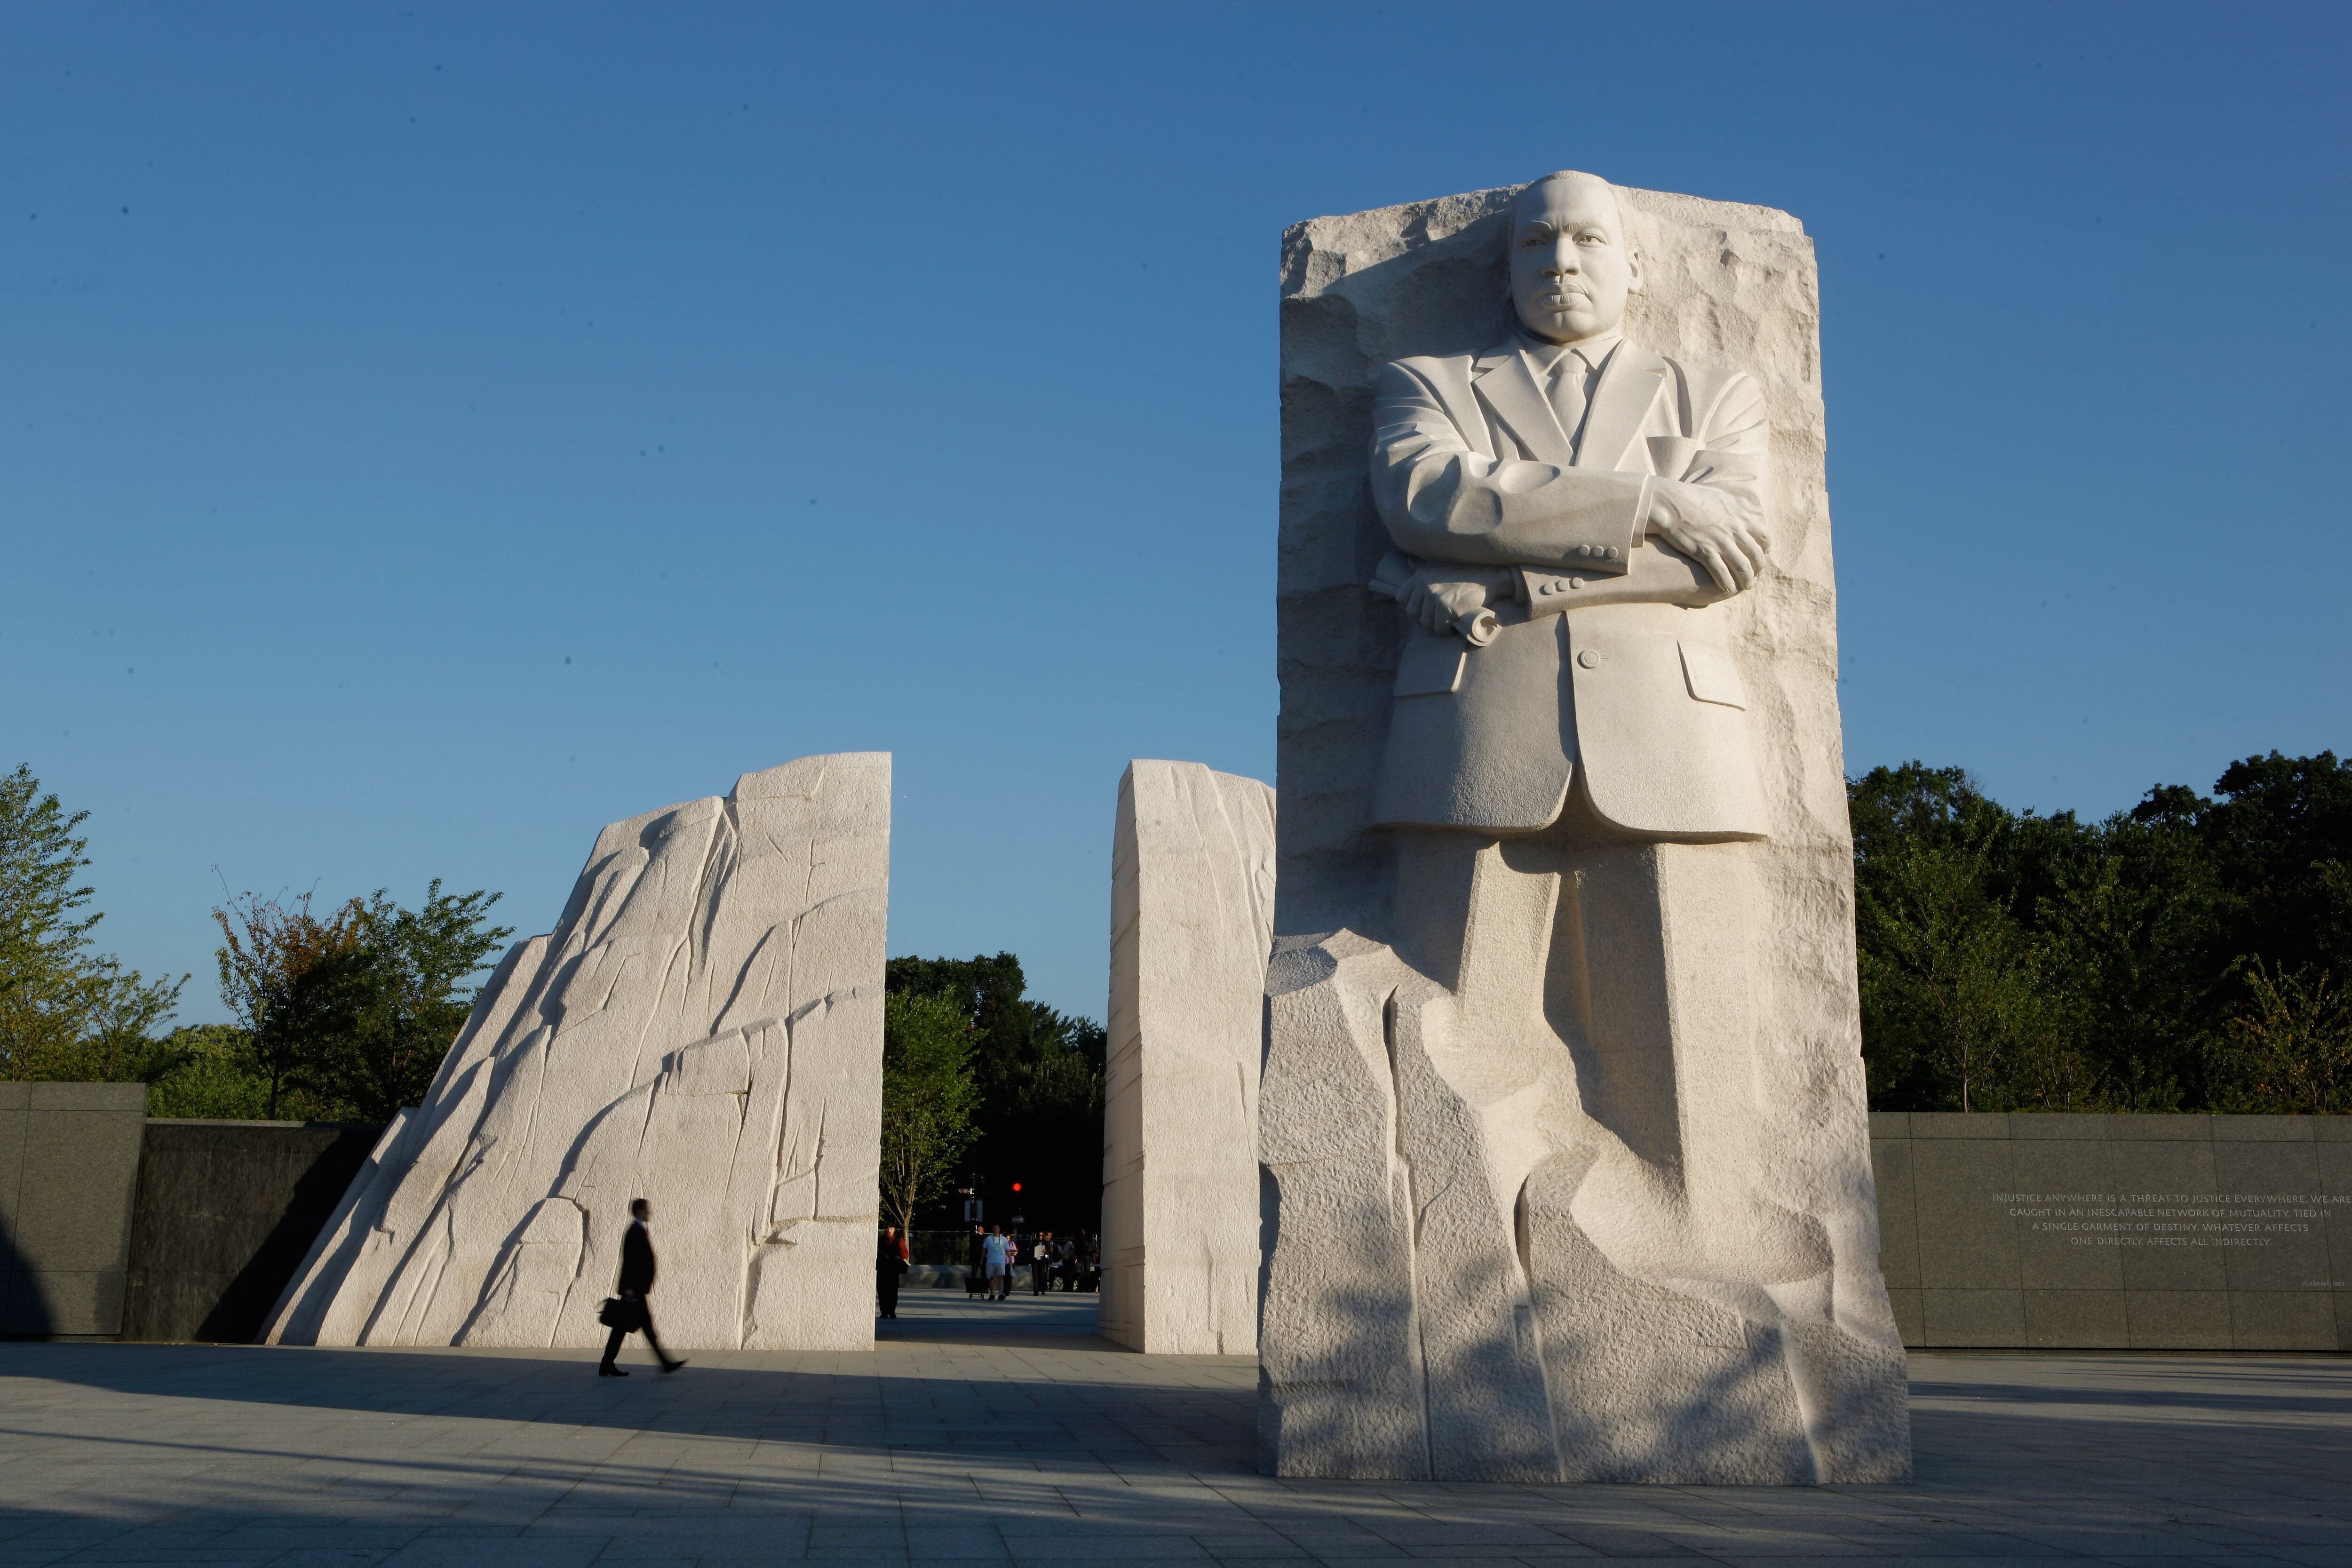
999	1280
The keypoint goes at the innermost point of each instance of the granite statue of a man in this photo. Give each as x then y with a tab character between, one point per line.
1602	1282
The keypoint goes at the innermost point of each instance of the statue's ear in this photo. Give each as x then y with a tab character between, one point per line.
1633	269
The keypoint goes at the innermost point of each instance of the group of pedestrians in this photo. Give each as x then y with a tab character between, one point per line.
996	1262
1051	1262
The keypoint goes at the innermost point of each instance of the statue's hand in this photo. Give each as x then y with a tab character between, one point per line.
1441	593
1709	527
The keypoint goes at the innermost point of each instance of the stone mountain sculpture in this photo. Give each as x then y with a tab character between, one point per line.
1561	1116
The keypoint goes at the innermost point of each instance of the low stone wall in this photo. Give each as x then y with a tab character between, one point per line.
1996	1232
225	1212
68	1160
2117	1232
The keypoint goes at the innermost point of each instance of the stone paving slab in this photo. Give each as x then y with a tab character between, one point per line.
1008	1433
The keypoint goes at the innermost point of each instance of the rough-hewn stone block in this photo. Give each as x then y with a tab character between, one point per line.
1191	911
703	1029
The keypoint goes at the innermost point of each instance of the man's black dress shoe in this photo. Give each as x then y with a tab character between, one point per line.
610	1372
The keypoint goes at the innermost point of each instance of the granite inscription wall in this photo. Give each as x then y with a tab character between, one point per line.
2117	1232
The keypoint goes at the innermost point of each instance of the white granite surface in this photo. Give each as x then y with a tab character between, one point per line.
702	1029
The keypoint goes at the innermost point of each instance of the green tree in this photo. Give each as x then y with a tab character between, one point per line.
2172	957
65	1010
210	1075
351	1014
928	1100
411	998
2262	893
1952	985
2280	834
294	982
1040	1077
2126	930
2289	1047
1956	1013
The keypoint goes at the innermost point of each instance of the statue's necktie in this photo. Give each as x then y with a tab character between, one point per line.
1568	390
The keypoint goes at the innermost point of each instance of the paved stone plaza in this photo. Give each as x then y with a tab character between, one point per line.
1011	1433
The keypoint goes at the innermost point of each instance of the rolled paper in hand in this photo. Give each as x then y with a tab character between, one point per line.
1394	577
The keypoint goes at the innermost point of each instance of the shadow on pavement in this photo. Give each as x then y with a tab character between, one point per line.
892	1402
2314	1385
1056	1320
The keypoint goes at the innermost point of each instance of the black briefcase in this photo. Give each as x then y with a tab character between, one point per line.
619	1312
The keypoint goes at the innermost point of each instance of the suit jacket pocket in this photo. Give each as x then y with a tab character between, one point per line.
1431	667
1655	761
1711	677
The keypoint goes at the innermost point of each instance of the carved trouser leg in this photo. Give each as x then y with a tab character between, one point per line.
1586	1013
1650	1383
1339	1366
1476	1067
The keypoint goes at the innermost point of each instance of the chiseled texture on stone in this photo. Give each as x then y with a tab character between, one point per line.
703	1029
1415	1322
1191	916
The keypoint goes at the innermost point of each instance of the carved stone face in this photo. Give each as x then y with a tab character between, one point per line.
1571	266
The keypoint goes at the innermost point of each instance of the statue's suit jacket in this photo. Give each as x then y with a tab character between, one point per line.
1612	658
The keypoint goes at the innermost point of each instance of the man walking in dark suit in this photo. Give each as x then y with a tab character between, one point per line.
636	1282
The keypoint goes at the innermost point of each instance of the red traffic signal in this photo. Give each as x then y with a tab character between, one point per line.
1016	1186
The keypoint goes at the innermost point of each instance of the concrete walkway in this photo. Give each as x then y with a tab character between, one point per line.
1008	1432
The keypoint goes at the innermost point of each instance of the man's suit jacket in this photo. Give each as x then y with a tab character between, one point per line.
1612	658
636	1259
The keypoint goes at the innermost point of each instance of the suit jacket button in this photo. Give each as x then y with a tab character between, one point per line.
1610	553
1543	587
1576	582
1588	658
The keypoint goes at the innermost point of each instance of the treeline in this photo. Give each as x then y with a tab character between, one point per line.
341	1017
2187	954
346	1016
1033	1106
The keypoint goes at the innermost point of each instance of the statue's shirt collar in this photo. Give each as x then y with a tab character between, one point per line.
1543	357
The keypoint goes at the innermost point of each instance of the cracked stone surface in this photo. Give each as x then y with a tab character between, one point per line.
1191	916
703	1029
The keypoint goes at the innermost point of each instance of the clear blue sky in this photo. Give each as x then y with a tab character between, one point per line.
428	432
